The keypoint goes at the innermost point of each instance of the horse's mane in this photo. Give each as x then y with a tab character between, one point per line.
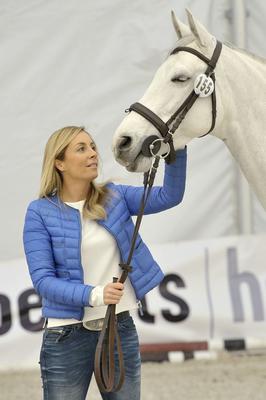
188	39
245	52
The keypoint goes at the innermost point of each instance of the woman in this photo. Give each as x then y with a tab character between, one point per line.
75	235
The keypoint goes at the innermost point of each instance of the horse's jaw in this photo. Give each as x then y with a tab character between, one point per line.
141	164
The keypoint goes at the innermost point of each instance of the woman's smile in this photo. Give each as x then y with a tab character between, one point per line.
92	165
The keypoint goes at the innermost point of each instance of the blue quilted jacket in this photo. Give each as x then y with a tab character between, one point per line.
52	240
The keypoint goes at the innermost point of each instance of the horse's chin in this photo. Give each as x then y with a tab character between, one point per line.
139	164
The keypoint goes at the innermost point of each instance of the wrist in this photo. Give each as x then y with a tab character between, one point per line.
96	296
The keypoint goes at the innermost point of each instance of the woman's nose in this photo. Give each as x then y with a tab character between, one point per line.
93	153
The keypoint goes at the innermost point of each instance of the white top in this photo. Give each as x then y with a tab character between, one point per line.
100	258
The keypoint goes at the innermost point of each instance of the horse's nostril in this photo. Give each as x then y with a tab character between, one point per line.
124	142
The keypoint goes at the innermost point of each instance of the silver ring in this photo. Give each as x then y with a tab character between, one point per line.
161	156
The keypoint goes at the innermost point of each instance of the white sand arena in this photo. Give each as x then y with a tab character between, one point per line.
234	376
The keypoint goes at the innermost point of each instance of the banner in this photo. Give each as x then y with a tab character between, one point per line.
212	289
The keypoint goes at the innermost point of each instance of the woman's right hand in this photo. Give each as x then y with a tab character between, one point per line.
113	292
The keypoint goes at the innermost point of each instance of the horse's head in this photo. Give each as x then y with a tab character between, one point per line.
171	85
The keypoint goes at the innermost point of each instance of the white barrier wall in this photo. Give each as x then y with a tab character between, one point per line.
212	290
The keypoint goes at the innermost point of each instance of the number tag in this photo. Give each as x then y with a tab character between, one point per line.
203	85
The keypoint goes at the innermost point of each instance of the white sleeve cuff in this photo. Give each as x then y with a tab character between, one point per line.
96	297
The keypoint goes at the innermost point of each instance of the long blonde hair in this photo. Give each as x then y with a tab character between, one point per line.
51	178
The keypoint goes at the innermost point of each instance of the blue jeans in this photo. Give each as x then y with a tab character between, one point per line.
67	362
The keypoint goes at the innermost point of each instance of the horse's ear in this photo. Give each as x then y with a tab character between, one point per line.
201	34
180	28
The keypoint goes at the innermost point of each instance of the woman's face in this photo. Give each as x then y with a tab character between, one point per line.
81	159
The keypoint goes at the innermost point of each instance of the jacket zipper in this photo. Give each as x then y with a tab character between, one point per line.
79	219
82	270
118	245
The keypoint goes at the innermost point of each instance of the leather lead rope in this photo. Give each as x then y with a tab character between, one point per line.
104	362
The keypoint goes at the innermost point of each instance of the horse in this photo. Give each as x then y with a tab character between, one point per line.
240	104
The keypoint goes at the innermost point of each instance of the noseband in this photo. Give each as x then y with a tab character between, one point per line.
204	86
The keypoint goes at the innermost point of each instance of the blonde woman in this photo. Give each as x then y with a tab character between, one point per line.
75	235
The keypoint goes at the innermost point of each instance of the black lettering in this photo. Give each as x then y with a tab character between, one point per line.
184	308
5	313
25	306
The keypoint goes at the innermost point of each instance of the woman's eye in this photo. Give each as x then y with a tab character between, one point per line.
83	148
180	78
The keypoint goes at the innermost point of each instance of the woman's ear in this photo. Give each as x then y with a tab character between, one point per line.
59	165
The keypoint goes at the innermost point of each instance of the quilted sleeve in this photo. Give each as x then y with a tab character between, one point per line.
39	255
161	197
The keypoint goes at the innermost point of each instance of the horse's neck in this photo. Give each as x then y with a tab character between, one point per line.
242	123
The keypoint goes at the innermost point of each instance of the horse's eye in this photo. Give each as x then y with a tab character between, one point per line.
180	78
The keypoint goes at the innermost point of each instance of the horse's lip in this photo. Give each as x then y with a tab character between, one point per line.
131	166
124	161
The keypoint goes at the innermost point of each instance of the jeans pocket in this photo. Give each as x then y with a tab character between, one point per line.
126	324
58	334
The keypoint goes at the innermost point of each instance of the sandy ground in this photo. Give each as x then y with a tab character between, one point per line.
232	376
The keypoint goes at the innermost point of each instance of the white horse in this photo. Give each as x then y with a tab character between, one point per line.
241	105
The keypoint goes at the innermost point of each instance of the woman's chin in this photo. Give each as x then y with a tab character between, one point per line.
91	176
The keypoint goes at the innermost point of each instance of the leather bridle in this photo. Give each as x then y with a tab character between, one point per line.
167	129
104	365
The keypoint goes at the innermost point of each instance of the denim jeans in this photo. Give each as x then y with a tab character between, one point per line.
67	362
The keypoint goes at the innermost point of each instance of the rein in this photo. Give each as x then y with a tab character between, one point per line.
104	362
204	85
